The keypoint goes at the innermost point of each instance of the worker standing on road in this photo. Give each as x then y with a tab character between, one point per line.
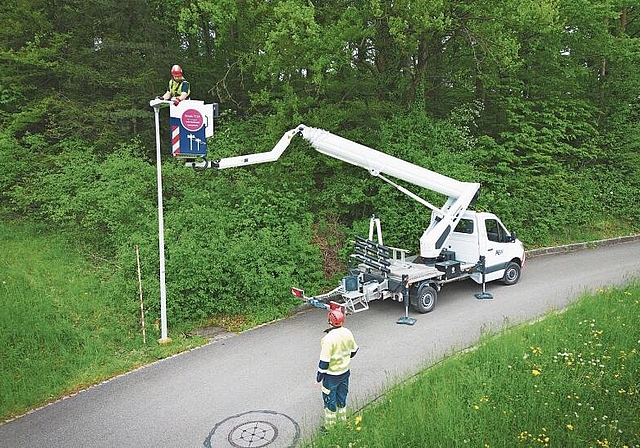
179	88
337	348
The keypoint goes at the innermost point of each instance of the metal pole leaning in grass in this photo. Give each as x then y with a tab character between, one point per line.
144	331
163	289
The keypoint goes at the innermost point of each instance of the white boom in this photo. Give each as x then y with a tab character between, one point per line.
460	194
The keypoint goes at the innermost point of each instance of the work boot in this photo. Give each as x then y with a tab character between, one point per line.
342	414
330	418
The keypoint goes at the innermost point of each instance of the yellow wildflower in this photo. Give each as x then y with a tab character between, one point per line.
536	350
570	427
536	372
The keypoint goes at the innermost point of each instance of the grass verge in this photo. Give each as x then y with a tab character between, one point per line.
63	326
571	380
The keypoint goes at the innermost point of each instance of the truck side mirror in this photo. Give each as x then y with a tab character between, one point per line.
513	237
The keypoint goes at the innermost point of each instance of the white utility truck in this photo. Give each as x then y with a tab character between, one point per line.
458	244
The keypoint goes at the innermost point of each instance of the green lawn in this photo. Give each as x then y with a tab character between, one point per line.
62	325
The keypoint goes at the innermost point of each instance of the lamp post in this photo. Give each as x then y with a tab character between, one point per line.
164	339
192	120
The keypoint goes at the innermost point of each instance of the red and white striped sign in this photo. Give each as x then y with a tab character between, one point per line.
175	140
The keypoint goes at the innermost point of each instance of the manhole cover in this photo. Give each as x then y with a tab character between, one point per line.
253	435
254	429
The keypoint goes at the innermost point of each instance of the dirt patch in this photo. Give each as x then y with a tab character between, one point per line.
328	237
212	333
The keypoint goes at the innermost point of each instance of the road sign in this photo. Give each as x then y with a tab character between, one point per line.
191	122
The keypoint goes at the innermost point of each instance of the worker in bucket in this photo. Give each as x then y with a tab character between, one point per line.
337	348
179	88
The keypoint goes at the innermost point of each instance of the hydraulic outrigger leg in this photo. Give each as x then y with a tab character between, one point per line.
484	294
406	320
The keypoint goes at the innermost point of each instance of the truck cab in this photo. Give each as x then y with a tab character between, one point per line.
483	234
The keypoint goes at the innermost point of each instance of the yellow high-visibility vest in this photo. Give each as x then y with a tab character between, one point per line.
338	346
177	88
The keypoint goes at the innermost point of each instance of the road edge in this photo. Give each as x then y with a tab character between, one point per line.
532	253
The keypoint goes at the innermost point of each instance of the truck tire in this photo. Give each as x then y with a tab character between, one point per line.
425	299
511	274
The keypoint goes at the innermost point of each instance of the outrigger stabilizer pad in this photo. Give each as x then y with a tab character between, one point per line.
484	295
405	320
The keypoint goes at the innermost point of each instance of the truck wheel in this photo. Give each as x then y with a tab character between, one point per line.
425	301
511	274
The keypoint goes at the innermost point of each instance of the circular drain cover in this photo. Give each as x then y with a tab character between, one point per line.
253	434
254	429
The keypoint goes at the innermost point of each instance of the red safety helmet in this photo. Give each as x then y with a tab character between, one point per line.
176	70
336	318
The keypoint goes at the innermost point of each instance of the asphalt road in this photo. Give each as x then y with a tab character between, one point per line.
257	389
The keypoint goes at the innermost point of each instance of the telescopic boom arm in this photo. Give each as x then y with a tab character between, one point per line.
460	194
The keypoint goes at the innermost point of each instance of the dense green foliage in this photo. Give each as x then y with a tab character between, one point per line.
537	100
570	380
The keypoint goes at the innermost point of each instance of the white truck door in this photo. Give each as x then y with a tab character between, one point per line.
499	247
464	240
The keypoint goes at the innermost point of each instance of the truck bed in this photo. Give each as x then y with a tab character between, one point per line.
417	272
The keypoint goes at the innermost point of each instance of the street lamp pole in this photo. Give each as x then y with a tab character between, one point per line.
164	339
